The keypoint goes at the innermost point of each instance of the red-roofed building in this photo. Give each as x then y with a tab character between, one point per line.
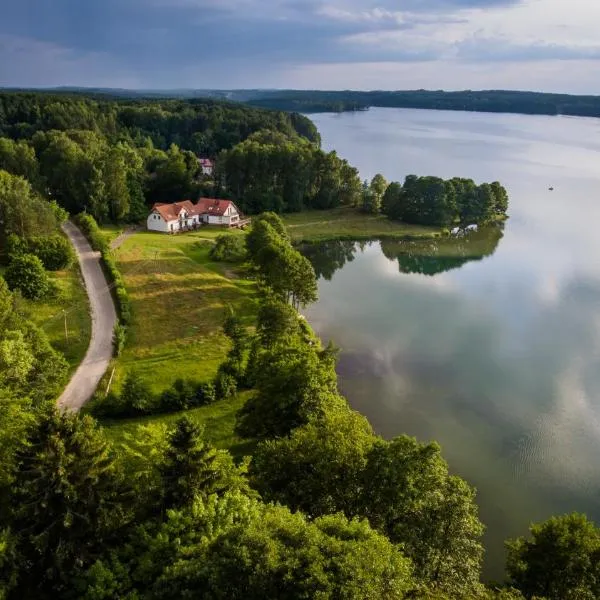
206	165
183	216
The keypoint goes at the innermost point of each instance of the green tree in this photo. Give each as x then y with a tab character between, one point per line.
67	500
276	554
18	158
188	470
391	202
294	383
136	394
229	248
560	559
500	198
22	211
318	468
409	496
277	321
26	274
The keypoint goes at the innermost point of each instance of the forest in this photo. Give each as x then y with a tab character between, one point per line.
114	157
497	101
435	201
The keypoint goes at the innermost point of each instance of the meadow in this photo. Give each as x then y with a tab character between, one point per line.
180	299
346	223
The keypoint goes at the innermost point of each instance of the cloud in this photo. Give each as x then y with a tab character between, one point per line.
235	43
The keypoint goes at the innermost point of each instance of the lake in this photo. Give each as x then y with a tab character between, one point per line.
489	345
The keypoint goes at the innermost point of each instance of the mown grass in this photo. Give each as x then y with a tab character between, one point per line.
349	224
49	314
218	421
179	300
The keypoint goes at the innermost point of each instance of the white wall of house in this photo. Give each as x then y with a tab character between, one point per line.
156	223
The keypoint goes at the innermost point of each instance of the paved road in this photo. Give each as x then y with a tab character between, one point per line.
104	317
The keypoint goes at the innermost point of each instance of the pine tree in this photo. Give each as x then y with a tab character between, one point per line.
66	499
188	470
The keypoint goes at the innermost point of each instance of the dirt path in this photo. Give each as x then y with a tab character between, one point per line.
104	317
123	236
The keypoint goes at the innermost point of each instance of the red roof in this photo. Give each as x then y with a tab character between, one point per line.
204	206
206	162
212	206
170	212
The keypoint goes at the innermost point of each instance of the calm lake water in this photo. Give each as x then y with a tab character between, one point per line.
498	358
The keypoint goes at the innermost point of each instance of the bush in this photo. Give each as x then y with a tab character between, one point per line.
225	385
229	248
119	338
136	396
205	394
120	292
54	251
26	274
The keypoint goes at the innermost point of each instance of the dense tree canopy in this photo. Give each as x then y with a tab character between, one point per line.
112	157
560	559
435	201
268	172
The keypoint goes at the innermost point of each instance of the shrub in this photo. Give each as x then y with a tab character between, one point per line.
119	338
225	385
15	246
92	232
26	274
120	292
229	248
54	251
205	394
136	395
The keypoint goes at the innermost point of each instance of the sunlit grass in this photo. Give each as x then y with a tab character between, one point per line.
70	301
179	300
217	420
349	223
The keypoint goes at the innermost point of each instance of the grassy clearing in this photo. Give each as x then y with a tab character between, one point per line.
218	420
179	299
348	223
48	314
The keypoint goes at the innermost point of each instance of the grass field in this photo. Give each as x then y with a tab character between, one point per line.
348	223
49	315
179	301
218	421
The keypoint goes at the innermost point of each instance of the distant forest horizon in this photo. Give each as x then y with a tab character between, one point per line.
315	101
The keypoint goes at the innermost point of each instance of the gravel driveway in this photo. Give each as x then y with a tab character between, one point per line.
85	380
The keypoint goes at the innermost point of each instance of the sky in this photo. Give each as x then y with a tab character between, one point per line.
545	45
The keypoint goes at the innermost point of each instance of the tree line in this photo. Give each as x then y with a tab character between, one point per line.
114	157
496	101
435	201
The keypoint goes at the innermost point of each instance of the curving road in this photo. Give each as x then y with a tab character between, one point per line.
85	380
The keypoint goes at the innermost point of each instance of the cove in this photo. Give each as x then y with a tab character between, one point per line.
490	344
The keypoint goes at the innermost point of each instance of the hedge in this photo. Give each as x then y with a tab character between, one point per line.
92	232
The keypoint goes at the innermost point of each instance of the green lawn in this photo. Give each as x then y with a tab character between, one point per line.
71	301
218	420
179	301
349	223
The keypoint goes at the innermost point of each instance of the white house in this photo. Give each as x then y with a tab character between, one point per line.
206	165
183	216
